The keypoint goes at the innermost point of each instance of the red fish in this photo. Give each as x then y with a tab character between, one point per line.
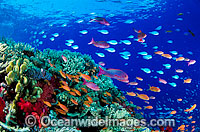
114	73
141	35
100	44
102	63
100	20
91	85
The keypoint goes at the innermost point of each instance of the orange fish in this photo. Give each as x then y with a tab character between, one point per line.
139	78
139	89
51	64
152	97
103	100
132	83
84	90
193	122
61	111
62	74
86	77
167	56
173	112
180	59
130	93
95	77
74	102
189	80
63	107
86	104
179	71
190	117
192	108
64	83
181	128
154	89
65	87
159	52
142	96
180	99
72	93
148	107
89	99
77	92
138	108
69	76
108	94
47	103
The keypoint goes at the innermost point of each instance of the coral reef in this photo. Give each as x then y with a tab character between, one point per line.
42	83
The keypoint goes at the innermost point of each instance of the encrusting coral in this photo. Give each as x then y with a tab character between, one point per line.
50	82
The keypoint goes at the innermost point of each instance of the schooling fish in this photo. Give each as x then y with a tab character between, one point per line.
101	21
114	73
91	85
99	44
64	58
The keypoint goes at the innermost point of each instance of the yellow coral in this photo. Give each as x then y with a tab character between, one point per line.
8	80
18	87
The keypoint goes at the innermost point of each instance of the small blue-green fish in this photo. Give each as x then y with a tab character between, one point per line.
44	36
103	31
174	52
75	47
42	32
127	42
100	54
52	38
160	72
190	52
172	84
154	33
146	70
155	47
83	31
143	53
41	42
64	25
167	66
158	28
55	34
147	57
68	44
110	49
113	42
175	77
129	21
131	36
125	53
125	57
70	41
79	21
170	41
179	19
177	30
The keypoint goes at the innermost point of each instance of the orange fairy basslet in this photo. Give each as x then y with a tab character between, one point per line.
77	92
89	99
86	77
47	103
61	111
130	93
166	56
139	78
139	89
132	83
159	52
62	74
72	93
148	107
63	107
189	80
154	89
180	99
173	112
74	102
84	90
192	108
180	59
142	96
65	87
108	94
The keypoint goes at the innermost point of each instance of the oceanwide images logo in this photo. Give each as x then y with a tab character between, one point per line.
96	122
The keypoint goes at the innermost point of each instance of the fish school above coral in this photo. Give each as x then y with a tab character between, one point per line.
58	84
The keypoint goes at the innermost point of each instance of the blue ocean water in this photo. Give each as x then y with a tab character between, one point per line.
49	24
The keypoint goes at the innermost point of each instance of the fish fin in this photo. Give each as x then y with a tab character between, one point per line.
84	82
101	71
92	41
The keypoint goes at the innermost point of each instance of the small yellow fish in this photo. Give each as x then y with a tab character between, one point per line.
47	103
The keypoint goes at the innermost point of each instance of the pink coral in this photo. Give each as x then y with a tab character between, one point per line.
2	105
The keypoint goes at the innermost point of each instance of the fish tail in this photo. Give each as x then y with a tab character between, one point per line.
101	71
84	82
92	41
140	40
